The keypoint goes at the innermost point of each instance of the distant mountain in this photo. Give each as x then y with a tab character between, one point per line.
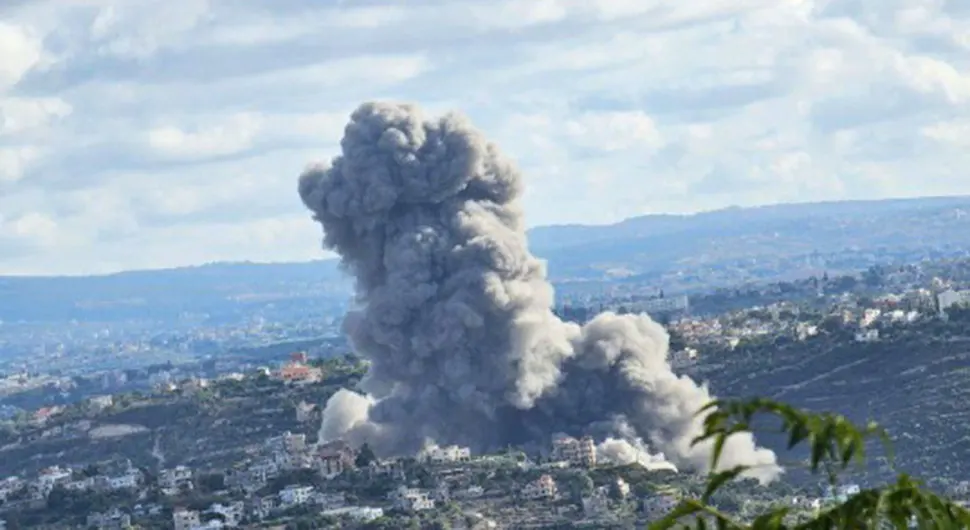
839	235
675	252
223	290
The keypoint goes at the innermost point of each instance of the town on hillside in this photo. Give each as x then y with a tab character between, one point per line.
230	443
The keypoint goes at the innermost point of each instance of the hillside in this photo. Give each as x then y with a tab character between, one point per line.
676	252
915	382
209	427
763	241
220	290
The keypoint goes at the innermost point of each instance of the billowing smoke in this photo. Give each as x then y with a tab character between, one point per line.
622	452
455	313
624	446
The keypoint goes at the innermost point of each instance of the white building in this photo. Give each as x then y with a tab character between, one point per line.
471	492
294	443
50	477
542	488
83	484
295	495
869	317
9	486
868	335
804	330
451	453
111	520
675	304
330	501
129	479
174	481
99	403
951	298
412	499
581	452
232	513
185	519
357	513
840	493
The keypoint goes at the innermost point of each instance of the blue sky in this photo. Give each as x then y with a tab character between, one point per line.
153	133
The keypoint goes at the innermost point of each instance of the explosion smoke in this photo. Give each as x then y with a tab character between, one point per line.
455	314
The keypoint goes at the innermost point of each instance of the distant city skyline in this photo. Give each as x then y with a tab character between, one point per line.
150	134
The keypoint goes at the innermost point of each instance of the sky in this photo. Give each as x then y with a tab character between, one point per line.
158	133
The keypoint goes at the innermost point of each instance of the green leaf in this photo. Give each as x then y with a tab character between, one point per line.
716	480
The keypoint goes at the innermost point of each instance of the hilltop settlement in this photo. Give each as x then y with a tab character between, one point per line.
241	447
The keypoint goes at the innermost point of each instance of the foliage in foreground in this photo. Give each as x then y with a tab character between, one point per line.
835	443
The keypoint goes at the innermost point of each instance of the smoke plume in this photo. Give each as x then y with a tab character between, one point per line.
455	314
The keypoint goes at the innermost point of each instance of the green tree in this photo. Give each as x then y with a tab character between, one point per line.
211	482
365	456
834	443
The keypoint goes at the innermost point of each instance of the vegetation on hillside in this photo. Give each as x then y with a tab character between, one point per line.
835	444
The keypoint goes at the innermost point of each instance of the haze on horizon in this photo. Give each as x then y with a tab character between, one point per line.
148	134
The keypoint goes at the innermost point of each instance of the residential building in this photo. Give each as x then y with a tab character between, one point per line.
358	513
294	495
264	470
471	492
334	457
581	452
82	484
950	298
112	520
9	486
264	507
50	477
448	454
127	479
185	519
99	403
232	513
328	501
391	468
840	493
412	499
542	488
867	335
295	372
176	480
193	384
294	443
674	304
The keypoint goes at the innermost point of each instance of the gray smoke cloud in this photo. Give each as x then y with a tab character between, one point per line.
455	314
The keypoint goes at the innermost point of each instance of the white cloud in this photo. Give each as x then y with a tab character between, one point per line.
23	115
21	50
615	131
235	135
14	162
951	133
176	127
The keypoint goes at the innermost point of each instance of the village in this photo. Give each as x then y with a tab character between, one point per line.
295	478
288	480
